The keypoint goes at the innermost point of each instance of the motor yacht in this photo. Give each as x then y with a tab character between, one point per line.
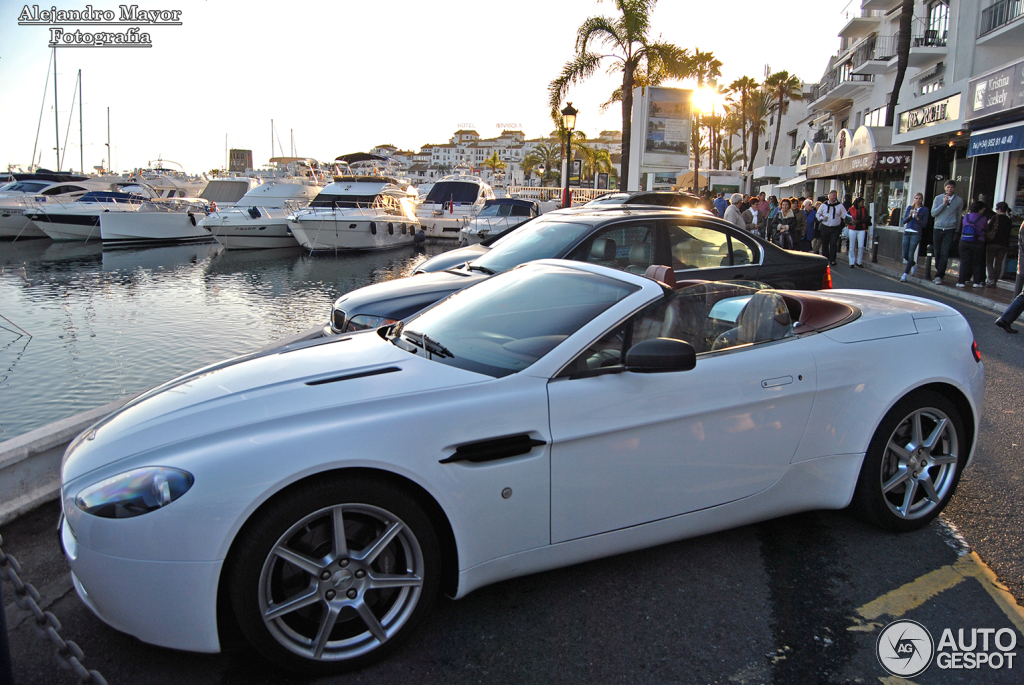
173	220
29	191
365	208
451	203
260	218
80	219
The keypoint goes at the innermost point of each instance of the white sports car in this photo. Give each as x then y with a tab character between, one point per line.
315	499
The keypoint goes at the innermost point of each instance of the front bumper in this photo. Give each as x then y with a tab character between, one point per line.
168	604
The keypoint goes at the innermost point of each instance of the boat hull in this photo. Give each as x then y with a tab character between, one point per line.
68	227
234	232
151	228
14	224
352	233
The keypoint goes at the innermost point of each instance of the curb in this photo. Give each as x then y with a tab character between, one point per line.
979	300
30	463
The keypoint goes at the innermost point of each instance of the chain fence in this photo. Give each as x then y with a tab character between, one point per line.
68	654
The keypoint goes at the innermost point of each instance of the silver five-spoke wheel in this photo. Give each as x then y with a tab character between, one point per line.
920	463
332	575
341	582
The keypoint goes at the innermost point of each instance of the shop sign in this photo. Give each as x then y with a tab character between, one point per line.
931	114
1003	140
996	92
896	159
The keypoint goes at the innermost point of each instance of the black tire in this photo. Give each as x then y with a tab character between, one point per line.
889	471
346	586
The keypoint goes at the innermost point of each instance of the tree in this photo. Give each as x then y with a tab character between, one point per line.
744	87
642	61
705	68
783	88
595	161
728	156
902	57
494	163
544	155
760	106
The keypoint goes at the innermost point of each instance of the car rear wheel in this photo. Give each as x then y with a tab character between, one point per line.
335	575
913	463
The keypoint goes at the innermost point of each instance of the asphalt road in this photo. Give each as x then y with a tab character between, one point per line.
800	599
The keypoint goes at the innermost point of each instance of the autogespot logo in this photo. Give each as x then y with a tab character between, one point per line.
905	648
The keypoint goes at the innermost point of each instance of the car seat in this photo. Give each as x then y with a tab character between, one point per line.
765	318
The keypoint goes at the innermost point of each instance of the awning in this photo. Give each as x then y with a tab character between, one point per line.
793	181
859	164
989	142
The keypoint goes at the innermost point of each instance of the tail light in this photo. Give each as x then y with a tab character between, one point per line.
826	280
975	352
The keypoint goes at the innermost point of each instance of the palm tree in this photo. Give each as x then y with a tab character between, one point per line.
744	87
783	88
705	68
759	107
544	155
642	61
595	162
494	163
729	156
902	57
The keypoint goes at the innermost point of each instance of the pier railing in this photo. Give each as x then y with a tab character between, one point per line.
579	195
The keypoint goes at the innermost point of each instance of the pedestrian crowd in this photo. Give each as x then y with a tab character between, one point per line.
980	232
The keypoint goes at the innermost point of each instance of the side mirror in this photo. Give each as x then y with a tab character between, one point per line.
661	355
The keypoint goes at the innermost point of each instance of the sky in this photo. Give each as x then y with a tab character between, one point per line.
346	75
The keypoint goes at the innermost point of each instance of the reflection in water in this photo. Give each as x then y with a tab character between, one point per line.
104	324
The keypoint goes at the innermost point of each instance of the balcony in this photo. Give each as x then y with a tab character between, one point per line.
838	87
872	56
1000	25
927	49
879	5
860	27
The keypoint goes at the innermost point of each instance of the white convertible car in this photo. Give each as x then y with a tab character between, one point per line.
314	500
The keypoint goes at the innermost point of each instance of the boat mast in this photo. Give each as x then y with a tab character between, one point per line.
56	118
81	139
271	137
291	131
110	164
39	126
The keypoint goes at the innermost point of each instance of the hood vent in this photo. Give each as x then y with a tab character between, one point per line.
353	376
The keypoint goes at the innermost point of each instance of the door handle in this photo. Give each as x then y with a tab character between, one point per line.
775	382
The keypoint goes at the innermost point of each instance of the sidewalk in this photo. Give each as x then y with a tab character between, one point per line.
996	297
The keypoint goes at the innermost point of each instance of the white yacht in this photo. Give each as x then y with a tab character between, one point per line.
30	191
498	216
451	203
260	218
172	220
167	182
370	211
80	219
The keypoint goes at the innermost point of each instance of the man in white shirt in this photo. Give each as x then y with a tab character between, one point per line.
831	217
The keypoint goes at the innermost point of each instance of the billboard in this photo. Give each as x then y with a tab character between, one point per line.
668	122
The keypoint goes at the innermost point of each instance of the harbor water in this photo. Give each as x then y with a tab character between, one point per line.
81	326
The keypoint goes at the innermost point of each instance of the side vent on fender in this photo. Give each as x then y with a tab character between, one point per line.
494	449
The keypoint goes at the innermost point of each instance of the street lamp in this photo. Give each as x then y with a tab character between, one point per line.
568	123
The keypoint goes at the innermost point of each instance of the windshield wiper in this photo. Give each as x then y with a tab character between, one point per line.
429	345
481	269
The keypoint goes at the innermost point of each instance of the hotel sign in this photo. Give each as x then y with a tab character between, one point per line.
931	114
996	92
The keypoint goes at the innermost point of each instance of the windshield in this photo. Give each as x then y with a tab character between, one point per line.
496	210
25	187
344	201
453	191
538	239
505	324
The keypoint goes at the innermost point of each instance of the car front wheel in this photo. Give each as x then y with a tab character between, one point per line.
334	575
913	463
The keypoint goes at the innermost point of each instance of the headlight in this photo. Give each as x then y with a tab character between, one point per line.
363	322
134	493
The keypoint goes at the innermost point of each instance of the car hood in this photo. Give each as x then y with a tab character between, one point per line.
403	297
263	388
447	260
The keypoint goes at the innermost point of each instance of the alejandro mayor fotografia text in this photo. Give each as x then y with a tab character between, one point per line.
90	16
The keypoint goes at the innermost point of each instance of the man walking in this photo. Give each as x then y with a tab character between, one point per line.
831	216
946	211
733	214
721	204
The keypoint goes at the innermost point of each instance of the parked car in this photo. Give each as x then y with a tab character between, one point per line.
694	242
315	499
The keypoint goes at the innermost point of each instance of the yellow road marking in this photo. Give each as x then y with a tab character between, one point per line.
917	592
